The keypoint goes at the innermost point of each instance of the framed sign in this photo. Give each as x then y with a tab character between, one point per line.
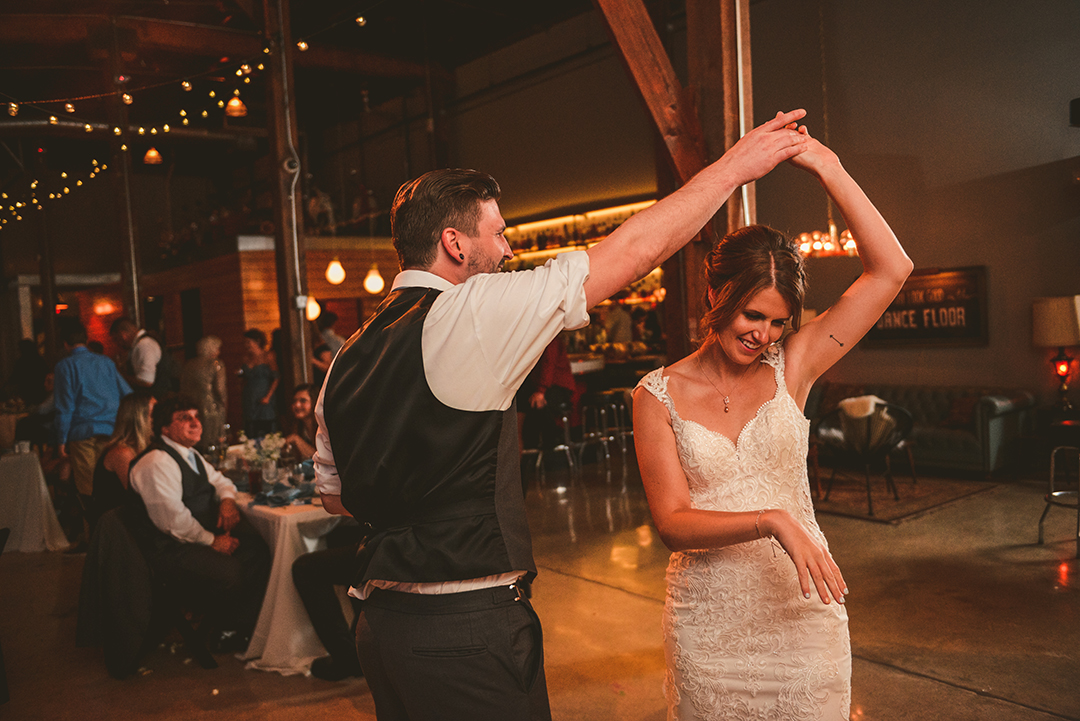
935	308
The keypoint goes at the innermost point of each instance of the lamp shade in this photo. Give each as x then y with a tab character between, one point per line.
1056	321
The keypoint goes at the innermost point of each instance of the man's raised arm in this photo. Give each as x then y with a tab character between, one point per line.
654	235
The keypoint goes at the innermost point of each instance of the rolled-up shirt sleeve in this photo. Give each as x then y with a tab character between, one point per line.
482	337
156	478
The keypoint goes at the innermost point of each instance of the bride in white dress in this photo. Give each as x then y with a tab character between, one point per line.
754	621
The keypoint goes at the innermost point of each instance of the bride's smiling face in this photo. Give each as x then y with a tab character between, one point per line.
759	323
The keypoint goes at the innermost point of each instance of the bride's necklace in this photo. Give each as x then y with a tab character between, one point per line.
725	396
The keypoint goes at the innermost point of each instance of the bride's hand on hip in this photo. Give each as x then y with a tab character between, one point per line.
812	559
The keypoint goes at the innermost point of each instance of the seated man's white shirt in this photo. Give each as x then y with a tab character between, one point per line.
145	356
158	480
480	340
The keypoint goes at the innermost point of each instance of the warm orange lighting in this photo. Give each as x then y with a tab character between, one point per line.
335	273
104	307
152	157
373	281
1061	367
236	108
313	309
61	307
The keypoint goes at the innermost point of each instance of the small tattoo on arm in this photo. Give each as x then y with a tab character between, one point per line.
834	338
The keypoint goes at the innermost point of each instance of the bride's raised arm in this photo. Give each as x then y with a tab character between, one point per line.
823	341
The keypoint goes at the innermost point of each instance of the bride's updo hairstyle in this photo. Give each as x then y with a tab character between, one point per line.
746	262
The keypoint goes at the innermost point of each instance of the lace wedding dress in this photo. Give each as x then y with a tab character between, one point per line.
741	641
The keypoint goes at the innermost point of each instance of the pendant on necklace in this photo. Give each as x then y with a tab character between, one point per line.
727	400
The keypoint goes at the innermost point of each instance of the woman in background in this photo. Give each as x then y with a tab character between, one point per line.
301	424
260	378
131	435
203	381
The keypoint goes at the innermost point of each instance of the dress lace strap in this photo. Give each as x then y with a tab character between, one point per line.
655	382
774	356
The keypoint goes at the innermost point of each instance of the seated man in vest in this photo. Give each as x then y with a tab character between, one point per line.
418	432
205	550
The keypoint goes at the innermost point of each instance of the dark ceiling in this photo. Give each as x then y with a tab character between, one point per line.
54	52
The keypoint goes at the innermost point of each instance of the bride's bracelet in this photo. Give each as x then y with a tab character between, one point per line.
757	521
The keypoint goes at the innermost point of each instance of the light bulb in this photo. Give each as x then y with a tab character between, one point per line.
313	310
302	45
335	273
373	281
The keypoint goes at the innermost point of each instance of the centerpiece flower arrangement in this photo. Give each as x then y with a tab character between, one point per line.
257	451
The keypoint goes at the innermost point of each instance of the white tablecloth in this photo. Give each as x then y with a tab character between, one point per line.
26	508
284	640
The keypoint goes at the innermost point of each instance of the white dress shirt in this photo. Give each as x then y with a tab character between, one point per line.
158	480
480	340
145	356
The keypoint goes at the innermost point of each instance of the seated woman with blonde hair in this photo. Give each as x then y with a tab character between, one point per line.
132	433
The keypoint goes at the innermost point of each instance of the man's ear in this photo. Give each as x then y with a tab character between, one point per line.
450	239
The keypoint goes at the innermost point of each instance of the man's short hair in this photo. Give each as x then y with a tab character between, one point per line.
72	332
424	207
167	406
122	324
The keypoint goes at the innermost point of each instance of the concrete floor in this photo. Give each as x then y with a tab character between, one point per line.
956	614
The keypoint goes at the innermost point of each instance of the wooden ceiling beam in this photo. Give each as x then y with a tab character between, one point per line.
671	106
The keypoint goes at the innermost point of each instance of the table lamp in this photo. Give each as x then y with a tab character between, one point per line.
1056	323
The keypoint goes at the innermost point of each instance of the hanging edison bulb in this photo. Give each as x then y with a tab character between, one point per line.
53	120
128	100
236	108
335	273
313	310
13	109
186	86
302	45
373	281
68	107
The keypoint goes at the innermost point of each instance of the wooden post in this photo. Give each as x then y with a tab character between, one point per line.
130	272
719	78
288	221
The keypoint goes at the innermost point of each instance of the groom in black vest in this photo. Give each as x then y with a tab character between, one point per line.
418	431
202	547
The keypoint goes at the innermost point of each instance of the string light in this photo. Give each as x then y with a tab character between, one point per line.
53	120
142	131
302	45
128	100
88	128
153	131
165	127
361	20
117	130
213	94
69	107
13	109
186	86
152	157
245	69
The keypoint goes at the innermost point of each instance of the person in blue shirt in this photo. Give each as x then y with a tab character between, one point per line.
87	392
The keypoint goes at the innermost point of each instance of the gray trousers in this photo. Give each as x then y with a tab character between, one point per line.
471	656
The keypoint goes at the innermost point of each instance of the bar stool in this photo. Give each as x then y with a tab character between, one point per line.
1063	497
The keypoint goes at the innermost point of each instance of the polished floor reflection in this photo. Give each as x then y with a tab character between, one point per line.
955	614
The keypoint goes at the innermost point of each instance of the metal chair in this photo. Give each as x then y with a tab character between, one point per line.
866	441
563	445
1063	497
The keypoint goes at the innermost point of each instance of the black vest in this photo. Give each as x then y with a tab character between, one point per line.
199	494
440	488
